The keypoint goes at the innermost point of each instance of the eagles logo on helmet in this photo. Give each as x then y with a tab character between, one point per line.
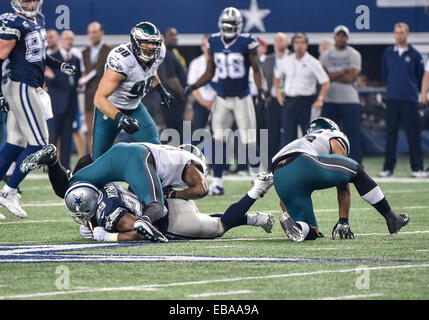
321	123
27	8
230	22
146	42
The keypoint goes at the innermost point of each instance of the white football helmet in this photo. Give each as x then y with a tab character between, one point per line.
82	200
27	8
230	22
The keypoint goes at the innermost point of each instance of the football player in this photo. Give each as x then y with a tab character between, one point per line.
115	214
130	72
317	161
23	43
231	53
151	170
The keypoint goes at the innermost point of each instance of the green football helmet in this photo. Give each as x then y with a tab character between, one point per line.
146	32
321	123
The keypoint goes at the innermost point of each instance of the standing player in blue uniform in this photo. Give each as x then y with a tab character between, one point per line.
23	42
231	54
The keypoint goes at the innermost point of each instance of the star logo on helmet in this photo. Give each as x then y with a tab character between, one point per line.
78	200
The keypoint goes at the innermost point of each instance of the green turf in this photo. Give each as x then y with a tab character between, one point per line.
397	266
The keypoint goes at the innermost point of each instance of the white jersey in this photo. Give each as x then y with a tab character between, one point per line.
138	82
170	163
315	143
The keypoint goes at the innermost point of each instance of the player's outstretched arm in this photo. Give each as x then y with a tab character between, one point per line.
205	78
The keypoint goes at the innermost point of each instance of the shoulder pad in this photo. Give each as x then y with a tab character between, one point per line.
117	60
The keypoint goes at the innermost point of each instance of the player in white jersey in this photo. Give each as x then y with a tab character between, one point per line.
316	161
130	72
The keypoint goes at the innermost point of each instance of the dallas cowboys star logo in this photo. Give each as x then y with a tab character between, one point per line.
255	17
78	201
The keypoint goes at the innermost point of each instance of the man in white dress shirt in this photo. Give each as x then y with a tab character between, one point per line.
302	73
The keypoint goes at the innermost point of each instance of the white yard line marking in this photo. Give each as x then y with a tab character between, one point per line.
202	282
356	296
211	294
49	204
37	221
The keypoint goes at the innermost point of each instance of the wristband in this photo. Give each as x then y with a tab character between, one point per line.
118	116
112	237
172	194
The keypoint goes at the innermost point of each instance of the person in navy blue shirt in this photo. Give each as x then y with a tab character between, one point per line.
23	42
231	54
402	69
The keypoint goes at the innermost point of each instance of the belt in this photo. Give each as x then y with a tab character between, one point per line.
285	160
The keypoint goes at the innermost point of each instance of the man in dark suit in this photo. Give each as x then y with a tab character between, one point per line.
94	59
63	91
172	73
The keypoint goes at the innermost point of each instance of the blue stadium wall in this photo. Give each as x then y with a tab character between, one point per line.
200	16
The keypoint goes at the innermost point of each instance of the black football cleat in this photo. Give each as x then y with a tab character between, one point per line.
44	157
144	227
396	221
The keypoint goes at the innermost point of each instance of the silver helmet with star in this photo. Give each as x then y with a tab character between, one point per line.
82	200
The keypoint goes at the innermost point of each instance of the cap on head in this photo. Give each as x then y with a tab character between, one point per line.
341	28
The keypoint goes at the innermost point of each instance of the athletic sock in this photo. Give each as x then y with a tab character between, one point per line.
58	178
8	154
17	176
236	215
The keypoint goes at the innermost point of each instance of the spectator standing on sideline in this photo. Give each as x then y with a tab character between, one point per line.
172	73
325	45
402	69
343	65
62	89
302	74
53	39
272	113
204	96
94	59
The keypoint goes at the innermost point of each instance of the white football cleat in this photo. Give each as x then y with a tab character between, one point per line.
289	226
265	221
216	190
262	183
10	200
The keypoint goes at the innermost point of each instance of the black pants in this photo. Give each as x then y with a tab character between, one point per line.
296	111
405	112
62	128
272	116
173	116
200	119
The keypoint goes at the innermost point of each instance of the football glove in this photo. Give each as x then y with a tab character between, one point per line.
68	69
4	106
100	234
343	230
189	89
166	97
260	100
85	232
126	123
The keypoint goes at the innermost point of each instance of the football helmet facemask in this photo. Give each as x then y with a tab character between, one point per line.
28	9
82	200
230	22
146	42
